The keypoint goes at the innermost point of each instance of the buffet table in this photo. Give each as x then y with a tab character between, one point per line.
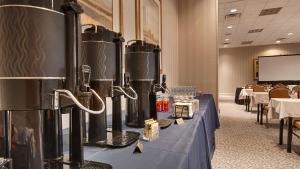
187	146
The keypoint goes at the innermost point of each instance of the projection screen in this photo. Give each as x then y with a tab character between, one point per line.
279	68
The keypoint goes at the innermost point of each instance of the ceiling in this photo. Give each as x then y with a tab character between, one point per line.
274	26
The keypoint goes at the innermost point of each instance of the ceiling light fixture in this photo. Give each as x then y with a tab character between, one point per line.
227	39
230	26
278	41
233	10
290	34
246	42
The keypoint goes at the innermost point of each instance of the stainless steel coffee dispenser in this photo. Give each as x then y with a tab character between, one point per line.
39	53
102	50
143	65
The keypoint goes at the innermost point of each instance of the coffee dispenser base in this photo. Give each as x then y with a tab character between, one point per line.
164	123
89	165
4	163
65	164
117	139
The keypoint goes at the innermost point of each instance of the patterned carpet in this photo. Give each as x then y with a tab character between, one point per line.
243	144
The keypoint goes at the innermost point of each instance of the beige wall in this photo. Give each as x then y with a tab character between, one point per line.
170	55
189	40
169	35
186	43
198	44
116	16
129	20
236	64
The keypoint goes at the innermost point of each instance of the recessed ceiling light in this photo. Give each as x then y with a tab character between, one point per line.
255	30
290	34
227	39
233	10
278	41
230	26
233	16
270	11
281	39
246	42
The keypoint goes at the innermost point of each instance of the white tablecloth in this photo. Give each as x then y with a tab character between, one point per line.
291	86
246	92
260	98
284	107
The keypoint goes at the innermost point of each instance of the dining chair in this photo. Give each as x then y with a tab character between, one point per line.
265	84
259	88
297	125
279	85
277	92
249	86
297	122
296	89
280	92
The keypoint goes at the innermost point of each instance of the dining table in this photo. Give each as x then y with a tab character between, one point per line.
285	108
260	99
246	94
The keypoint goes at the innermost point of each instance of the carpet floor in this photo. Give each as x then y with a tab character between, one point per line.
243	144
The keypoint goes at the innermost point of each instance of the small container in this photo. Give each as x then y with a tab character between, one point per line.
151	130
159	104
166	104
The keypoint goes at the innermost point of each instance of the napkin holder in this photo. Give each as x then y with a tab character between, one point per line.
185	109
151	130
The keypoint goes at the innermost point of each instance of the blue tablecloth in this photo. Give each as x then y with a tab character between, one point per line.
188	146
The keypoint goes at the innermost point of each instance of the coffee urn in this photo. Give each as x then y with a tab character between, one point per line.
39	53
102	50
143	65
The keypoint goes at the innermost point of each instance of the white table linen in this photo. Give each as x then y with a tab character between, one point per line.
245	92
260	98
291	86
284	107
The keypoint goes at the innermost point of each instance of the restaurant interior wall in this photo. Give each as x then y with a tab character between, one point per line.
189	40
198	51
236	64
169	35
170	41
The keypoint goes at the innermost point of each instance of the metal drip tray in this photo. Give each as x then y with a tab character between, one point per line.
4	162
94	165
65	164
117	139
164	123
121	139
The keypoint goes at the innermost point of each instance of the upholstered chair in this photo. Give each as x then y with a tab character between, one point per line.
249	86
259	88
277	92
279	85
280	92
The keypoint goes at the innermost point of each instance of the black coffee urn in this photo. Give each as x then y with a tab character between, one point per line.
41	78
102	50
143	65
